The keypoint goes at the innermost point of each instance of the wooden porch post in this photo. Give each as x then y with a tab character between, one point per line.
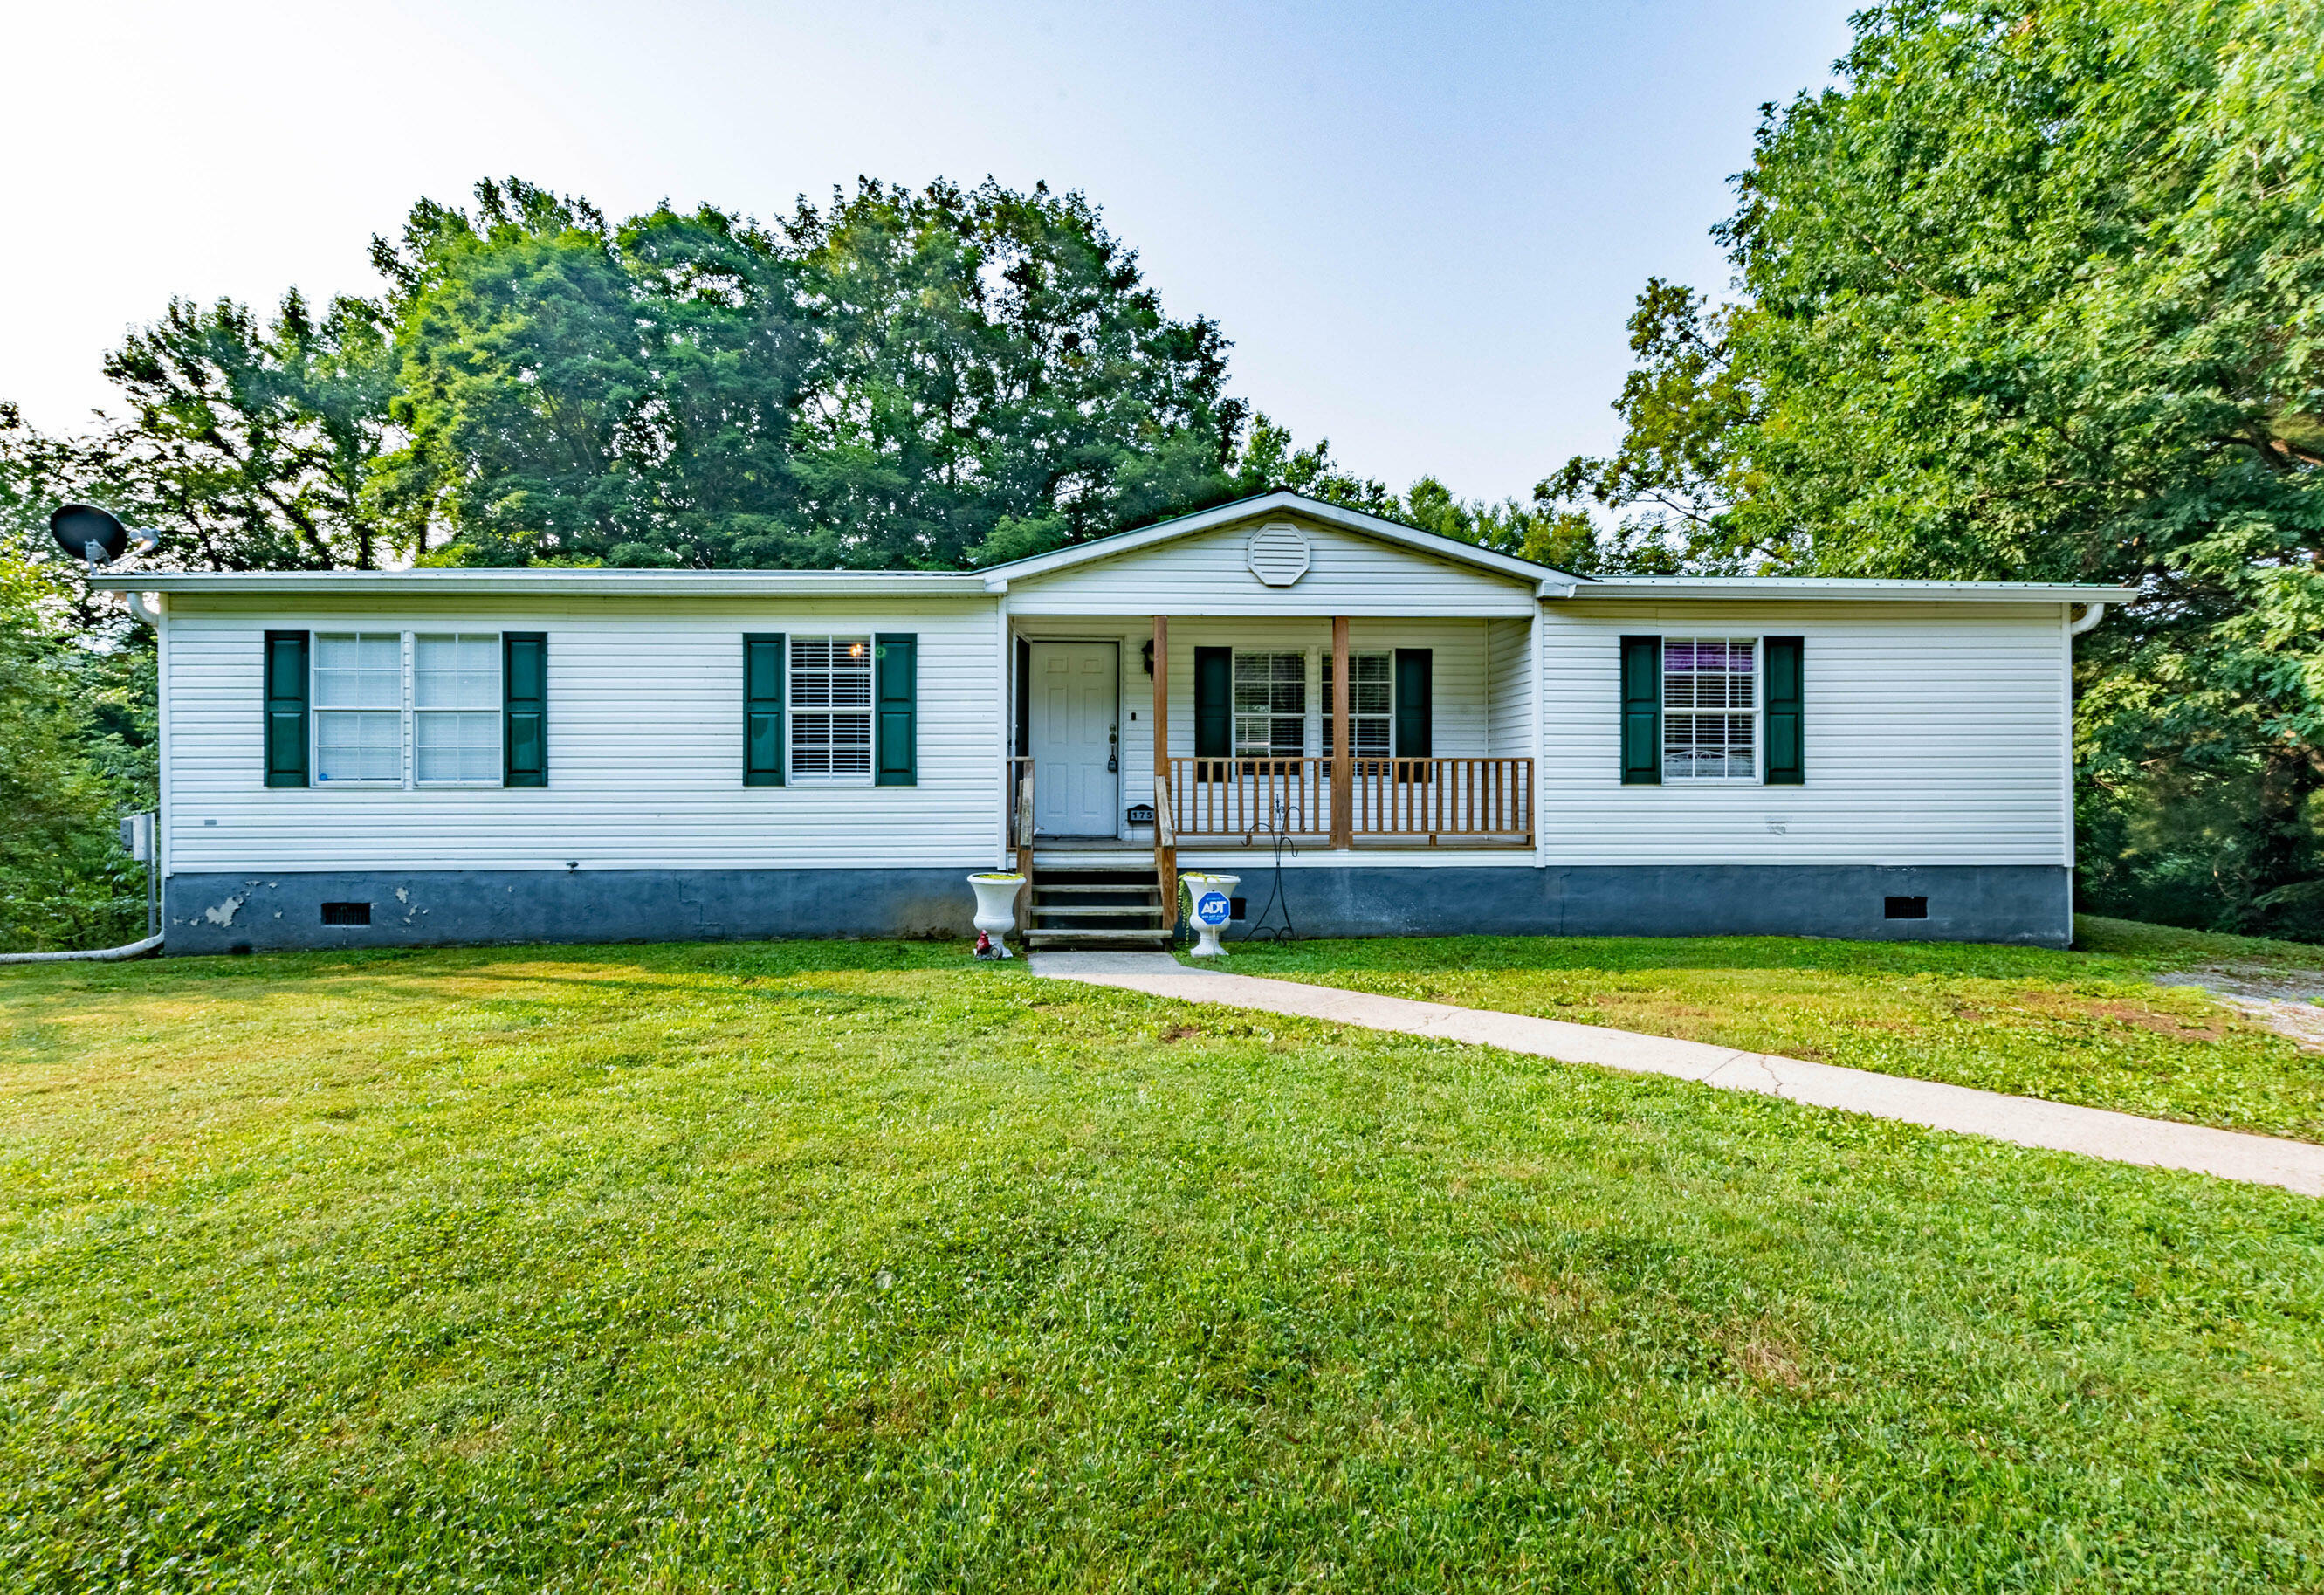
1165	849
1343	766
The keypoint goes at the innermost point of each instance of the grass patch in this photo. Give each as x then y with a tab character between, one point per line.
2090	1026
2167	947
828	1266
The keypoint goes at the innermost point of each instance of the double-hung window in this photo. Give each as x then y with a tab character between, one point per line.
831	711
1372	703
1270	704
359	708
397	707
455	709
1711	708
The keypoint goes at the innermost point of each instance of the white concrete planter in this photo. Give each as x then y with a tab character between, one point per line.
996	906
1197	885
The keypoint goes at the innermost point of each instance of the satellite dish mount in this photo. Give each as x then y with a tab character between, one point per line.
96	536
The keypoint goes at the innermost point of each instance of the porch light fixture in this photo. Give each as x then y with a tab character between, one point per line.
1146	657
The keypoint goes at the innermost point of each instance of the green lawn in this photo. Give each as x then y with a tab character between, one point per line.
814	1266
2090	1027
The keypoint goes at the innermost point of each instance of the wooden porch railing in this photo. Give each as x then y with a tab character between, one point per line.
1020	830
1437	798
1020	802
1165	849
1479	801
1238	796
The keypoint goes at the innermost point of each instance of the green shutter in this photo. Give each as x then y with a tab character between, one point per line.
524	708
1642	711
763	737
1416	697
1784	665
286	709
1214	702
896	656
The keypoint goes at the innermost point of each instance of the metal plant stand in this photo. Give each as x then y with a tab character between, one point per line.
1257	929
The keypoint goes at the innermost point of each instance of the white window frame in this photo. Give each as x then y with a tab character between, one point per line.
1274	717
407	713
316	713
412	641
793	713
1754	712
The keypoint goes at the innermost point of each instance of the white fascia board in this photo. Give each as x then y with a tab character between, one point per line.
1847	588
595	583
1546	581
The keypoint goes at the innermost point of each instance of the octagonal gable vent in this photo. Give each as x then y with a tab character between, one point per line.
1278	553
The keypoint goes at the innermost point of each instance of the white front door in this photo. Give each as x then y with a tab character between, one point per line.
1075	703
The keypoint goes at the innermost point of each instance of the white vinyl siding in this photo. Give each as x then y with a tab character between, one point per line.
645	741
1509	665
1934	735
455	709
1208	573
1711	702
830	699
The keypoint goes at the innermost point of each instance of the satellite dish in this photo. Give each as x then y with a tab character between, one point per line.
88	532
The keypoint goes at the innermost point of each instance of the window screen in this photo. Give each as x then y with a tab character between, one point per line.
358	707
1270	704
831	709
1371	703
455	702
1711	701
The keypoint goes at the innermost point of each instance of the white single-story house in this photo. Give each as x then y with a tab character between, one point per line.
480	755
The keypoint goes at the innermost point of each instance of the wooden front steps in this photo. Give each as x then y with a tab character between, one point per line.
1099	907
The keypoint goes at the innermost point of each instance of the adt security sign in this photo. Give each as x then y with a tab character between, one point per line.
1212	908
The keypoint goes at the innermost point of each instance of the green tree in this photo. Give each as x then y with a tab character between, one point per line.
993	357
251	446
526	390
2038	293
76	729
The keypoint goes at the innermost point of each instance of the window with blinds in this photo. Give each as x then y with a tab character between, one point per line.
1372	703
830	694
1710	703
358	707
1270	704
456	710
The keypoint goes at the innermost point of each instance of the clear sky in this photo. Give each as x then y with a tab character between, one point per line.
1421	225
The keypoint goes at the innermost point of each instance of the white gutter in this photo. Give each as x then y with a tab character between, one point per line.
152	944
596	582
141	605
1669	588
2091	614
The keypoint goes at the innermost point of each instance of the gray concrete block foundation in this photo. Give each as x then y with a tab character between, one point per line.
218	913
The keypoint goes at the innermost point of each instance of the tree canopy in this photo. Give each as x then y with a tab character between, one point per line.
2036	293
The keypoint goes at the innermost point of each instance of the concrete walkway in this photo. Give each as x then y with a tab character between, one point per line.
2121	1137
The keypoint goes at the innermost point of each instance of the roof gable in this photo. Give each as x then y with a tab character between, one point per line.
1275	564
1545	581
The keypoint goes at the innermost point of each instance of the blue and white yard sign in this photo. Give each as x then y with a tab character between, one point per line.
1212	908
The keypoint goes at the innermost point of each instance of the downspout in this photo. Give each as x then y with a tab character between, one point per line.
151	945
2091	614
